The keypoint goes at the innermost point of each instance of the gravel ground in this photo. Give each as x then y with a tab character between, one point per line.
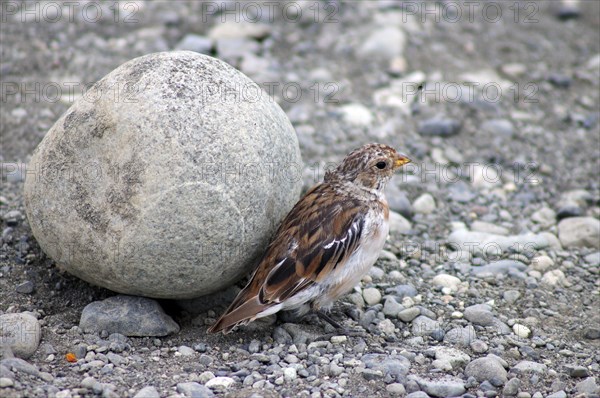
491	288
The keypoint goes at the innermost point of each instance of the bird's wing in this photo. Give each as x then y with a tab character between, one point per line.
317	237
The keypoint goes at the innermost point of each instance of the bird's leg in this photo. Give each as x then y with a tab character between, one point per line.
340	330
329	320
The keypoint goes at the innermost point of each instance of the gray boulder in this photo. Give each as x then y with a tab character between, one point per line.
579	232
166	179
128	315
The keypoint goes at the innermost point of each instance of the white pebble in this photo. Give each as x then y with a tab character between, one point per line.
289	373
372	295
338	339
424	204
448	281
541	263
521	330
220	382
387	327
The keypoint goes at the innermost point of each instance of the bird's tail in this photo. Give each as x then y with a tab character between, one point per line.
240	314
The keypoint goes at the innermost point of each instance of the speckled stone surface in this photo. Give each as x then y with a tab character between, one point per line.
165	179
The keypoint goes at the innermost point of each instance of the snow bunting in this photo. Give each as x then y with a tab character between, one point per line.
325	245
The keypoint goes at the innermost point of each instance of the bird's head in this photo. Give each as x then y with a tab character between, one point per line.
370	166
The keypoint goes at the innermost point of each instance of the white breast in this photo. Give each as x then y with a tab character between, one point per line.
346	277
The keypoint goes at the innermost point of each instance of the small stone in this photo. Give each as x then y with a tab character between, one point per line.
372	296
92	384
116	359
530	367
147	392
521	330
205	377
26	287
197	43
558	394
485	177
579	232
445	280
460	336
220	383
402	291
235	30
186	351
376	273
569	210
545	216
5	382
424	204
338	339
12	218
461	192
588	386
408	314
335	370
21	332
593	259
554	278
290	374
442	127
384	43
480	314
479	346
399	224
511	388
194	390
511	296
560	80
500	127
394	366
128	315
396	389
391	307
448	358
541	263
578	371
417	394
387	327
444	387
423	326
592	333
486	227
356	115
514	70
486	368
370	374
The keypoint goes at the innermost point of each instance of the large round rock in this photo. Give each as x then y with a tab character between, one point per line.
166	179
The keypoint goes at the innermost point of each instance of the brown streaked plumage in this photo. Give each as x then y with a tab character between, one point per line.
326	243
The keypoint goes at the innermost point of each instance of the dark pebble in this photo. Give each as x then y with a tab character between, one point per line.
592	333
26	287
439	127
402	291
569	211
200	347
558	80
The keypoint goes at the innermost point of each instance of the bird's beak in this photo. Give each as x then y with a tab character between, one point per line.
401	160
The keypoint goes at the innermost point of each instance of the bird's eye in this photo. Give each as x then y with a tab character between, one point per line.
381	165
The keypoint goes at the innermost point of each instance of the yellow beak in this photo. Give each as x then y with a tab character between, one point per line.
401	160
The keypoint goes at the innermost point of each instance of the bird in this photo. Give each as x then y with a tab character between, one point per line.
325	244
